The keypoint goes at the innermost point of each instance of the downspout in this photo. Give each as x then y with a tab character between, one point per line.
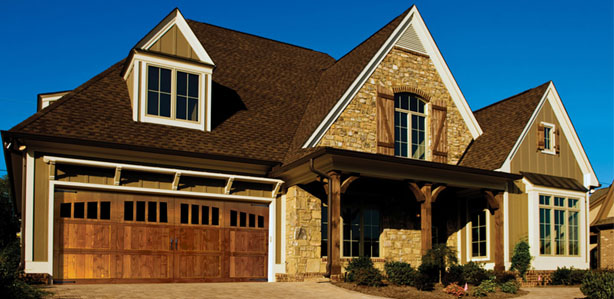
329	194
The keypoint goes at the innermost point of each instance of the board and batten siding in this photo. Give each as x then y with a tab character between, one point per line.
529	159
518	215
174	43
91	175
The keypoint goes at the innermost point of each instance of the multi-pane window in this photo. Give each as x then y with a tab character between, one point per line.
478	234
409	126
558	225
361	231
547	141
324	231
161	92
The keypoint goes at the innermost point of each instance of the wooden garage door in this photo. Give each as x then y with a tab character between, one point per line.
111	237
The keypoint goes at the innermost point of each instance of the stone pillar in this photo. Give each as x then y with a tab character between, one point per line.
333	265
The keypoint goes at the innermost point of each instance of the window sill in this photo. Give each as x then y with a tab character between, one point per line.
347	259
549	152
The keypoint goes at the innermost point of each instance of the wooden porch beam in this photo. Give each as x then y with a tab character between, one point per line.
415	189
495	204
426	219
347	182
437	192
333	263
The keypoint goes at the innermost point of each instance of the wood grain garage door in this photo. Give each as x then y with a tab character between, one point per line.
111	237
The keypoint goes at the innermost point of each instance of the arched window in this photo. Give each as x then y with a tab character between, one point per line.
409	126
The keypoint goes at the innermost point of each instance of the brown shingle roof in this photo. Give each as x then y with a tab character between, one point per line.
502	123
258	99
335	81
598	195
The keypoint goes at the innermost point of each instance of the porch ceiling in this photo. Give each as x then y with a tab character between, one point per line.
389	167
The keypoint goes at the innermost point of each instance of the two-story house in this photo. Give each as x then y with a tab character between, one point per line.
209	154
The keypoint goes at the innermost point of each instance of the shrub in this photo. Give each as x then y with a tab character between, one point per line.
422	282
368	277
10	284
454	274
521	260
502	277
355	264
489	285
510	286
474	273
429	271
400	273
598	285
455	290
439	257
479	292
565	276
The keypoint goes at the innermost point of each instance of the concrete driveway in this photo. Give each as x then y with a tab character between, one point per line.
235	290
553	292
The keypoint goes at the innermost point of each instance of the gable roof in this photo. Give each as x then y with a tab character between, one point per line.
606	206
502	123
258	107
352	81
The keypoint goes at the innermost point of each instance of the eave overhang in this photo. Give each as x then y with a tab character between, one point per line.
393	168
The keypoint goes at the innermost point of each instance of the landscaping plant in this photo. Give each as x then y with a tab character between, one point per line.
437	259
474	273
510	286
400	273
598	285
521	260
362	272
455	290
454	274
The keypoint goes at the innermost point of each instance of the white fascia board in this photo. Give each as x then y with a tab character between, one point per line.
362	78
175	18
552	96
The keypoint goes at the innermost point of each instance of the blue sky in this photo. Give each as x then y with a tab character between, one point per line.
494	49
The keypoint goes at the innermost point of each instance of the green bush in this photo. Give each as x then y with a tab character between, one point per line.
355	264
521	260
454	274
400	273
368	277
598	285
567	276
502	277
474	273
510	286
423	282
11	286
429	271
437	259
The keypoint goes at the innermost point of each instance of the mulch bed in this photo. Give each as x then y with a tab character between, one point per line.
393	291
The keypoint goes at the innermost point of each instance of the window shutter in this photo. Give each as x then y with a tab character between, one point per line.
557	141
540	137
439	131
385	121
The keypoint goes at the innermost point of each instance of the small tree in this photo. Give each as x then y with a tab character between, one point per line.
521	260
439	257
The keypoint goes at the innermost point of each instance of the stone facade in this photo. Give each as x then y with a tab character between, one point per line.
356	128
606	249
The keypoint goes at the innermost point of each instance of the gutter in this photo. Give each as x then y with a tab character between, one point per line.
329	200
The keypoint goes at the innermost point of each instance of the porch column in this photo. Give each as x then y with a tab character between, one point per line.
333	263
495	204
426	219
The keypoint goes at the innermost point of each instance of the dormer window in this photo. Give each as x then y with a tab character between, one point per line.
175	101
409	126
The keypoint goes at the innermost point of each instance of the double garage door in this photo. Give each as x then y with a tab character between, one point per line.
113	237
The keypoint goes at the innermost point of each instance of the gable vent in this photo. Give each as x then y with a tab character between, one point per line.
411	41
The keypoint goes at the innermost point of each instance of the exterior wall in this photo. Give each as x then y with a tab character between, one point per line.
356	128
518	216
465	233
527	158
41	211
606	248
174	43
303	233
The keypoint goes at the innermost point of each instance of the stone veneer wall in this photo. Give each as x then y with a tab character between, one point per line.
356	128
606	249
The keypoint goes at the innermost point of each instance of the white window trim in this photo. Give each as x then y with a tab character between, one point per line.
427	133
551	262
141	61
468	228
551	150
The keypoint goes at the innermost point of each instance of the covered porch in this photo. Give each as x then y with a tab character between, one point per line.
396	208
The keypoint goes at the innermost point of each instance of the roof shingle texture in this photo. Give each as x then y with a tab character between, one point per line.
502	124
259	83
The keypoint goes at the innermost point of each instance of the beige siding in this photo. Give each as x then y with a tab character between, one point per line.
518	215
41	210
529	159
174	43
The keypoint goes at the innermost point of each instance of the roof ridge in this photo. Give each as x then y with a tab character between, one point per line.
376	32
65	98
511	97
260	37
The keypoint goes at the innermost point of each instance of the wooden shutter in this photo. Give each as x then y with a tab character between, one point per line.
385	121
439	131
540	138
557	141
